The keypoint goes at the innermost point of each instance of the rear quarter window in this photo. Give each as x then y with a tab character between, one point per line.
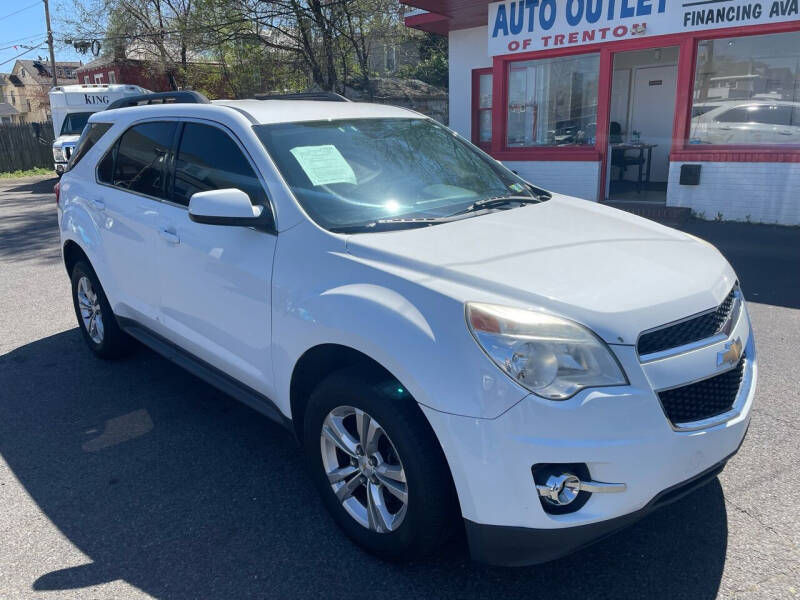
89	137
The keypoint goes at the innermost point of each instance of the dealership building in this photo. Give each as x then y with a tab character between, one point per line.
676	103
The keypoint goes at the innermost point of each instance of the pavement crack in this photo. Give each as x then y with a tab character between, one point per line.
766	526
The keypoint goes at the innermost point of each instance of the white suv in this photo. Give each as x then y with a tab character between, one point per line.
451	345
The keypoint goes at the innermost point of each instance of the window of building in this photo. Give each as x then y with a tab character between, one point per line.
86	79
112	77
747	91
140	158
209	159
552	102
482	107
98	78
390	58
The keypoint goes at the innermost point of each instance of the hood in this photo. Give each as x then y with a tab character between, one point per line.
614	272
65	140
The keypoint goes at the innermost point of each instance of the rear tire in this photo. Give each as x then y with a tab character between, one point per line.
394	438
96	320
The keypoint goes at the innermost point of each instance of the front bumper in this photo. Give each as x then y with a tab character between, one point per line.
621	434
59	167
520	546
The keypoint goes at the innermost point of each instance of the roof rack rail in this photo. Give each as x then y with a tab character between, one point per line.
181	97
324	96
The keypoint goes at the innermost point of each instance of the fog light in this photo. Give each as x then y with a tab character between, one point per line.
565	488
560	490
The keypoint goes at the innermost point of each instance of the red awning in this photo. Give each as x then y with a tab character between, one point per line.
447	15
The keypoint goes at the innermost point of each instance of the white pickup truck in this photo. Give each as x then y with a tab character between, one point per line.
72	105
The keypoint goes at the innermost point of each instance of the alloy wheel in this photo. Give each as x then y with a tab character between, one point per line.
91	314
364	469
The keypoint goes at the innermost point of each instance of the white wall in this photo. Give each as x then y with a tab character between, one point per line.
766	192
573	178
468	50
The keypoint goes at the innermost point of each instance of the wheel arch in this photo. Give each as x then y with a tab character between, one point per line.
325	359
72	254
316	364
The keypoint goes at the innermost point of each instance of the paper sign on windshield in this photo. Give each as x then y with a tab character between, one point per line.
324	164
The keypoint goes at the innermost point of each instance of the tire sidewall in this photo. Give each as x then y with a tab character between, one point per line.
342	390
80	270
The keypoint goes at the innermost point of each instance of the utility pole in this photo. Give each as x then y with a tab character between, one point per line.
50	43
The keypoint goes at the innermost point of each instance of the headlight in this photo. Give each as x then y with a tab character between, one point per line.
552	357
58	154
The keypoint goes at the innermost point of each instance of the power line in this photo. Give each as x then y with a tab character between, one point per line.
11	43
18	55
19	11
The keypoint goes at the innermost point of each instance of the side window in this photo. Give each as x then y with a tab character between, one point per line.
105	170
780	115
90	136
140	158
208	159
735	115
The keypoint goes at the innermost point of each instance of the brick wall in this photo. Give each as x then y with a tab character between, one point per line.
763	192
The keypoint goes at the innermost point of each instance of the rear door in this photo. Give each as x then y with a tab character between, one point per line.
216	280
127	205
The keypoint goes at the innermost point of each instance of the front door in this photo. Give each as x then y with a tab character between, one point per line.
216	280
653	111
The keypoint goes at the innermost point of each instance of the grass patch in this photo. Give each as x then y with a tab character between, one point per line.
27	173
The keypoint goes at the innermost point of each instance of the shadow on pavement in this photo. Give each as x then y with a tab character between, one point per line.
30	231
766	258
37	186
184	493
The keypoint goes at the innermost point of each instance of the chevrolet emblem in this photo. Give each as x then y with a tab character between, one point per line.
731	354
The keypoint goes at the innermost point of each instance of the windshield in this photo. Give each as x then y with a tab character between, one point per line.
353	172
74	123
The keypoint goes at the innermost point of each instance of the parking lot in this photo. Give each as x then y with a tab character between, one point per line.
133	479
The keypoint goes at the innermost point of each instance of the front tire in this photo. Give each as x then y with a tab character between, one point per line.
378	466
96	321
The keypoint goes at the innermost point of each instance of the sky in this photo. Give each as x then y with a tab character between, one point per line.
22	24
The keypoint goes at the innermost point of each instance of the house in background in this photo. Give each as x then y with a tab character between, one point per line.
25	89
130	71
8	114
141	64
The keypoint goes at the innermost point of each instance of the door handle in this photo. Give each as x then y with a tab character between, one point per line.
170	236
98	204
784	132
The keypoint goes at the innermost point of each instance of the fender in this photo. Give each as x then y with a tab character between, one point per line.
78	225
403	325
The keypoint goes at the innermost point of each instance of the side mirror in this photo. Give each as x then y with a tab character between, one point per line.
229	207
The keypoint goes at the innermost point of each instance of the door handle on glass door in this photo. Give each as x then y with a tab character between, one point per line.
170	236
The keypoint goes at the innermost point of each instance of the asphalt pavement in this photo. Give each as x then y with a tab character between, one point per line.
133	479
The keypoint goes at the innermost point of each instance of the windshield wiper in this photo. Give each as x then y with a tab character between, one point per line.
395	223
406	222
500	201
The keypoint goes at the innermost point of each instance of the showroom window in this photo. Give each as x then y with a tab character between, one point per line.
482	107
552	102
747	91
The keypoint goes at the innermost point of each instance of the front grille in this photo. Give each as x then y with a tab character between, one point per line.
68	151
692	330
704	399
